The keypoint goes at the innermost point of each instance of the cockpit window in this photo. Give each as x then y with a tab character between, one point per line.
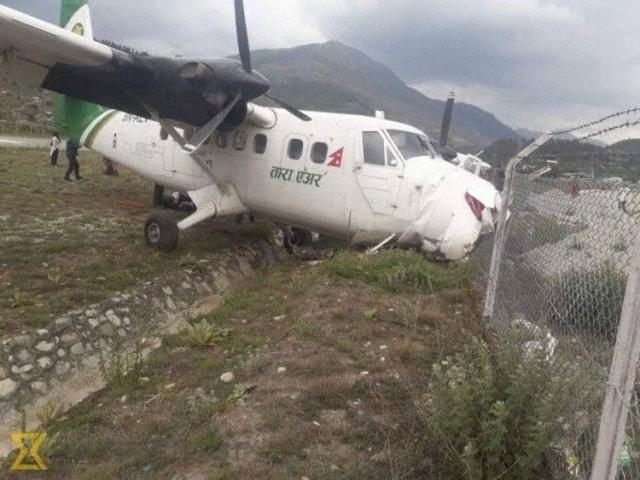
411	144
373	148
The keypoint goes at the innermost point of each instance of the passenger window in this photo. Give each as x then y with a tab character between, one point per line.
222	141
164	135
296	147
260	143
373	148
240	140
319	152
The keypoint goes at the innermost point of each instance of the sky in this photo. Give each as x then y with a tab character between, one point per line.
538	64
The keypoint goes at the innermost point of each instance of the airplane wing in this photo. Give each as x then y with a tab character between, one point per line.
31	48
208	94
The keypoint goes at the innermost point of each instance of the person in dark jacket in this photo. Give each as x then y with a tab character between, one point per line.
72	156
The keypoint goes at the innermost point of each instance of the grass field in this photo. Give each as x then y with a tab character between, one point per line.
331	360
70	244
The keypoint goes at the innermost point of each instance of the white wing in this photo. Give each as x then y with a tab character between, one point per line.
30	47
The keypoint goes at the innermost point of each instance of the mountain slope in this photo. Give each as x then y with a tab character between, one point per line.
334	77
327	77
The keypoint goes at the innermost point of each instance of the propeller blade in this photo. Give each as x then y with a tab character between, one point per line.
210	128
446	120
292	110
243	36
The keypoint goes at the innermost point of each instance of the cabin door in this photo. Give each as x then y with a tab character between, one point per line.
378	172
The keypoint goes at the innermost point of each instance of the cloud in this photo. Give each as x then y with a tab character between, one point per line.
534	63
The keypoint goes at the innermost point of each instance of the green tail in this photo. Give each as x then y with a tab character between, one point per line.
72	116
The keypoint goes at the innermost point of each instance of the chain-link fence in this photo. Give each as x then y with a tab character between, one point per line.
560	278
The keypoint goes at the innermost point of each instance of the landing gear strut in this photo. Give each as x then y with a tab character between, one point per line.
161	232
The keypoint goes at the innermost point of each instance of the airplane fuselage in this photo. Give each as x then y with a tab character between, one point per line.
309	174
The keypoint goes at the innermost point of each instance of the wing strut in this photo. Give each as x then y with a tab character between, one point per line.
201	136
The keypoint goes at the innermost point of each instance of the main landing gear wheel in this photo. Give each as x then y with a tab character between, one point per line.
161	232
295	237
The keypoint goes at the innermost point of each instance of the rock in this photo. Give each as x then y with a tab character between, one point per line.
171	304
23	340
364	373
45	363
126	321
107	330
69	338
61	353
7	388
227	377
221	283
122	332
77	349
23	369
91	312
23	356
170	386
186	286
167	291
104	345
94	322
245	267
113	318
282	369
157	304
92	362
45	346
39	387
62	368
43	332
3	373
63	322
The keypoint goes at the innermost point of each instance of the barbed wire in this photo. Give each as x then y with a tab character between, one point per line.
621	113
606	130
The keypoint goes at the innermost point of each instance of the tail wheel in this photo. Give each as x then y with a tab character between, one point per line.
161	232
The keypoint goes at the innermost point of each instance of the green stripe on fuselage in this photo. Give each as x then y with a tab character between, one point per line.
97	128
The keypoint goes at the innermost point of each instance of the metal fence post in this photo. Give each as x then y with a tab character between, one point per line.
622	375
502	229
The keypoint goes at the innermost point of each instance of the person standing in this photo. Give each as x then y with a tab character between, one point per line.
72	156
54	143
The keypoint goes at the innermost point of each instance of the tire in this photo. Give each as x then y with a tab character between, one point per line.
161	232
301	237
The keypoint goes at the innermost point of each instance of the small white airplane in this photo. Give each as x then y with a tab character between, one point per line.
192	126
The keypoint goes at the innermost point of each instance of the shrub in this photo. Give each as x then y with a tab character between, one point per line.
399	271
500	415
204	334
589	301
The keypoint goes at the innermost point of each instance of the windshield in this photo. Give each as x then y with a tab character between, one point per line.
411	144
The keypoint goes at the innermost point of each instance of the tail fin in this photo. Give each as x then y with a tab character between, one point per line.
73	116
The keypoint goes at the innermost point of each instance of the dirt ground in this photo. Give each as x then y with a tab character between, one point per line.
329	365
69	244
